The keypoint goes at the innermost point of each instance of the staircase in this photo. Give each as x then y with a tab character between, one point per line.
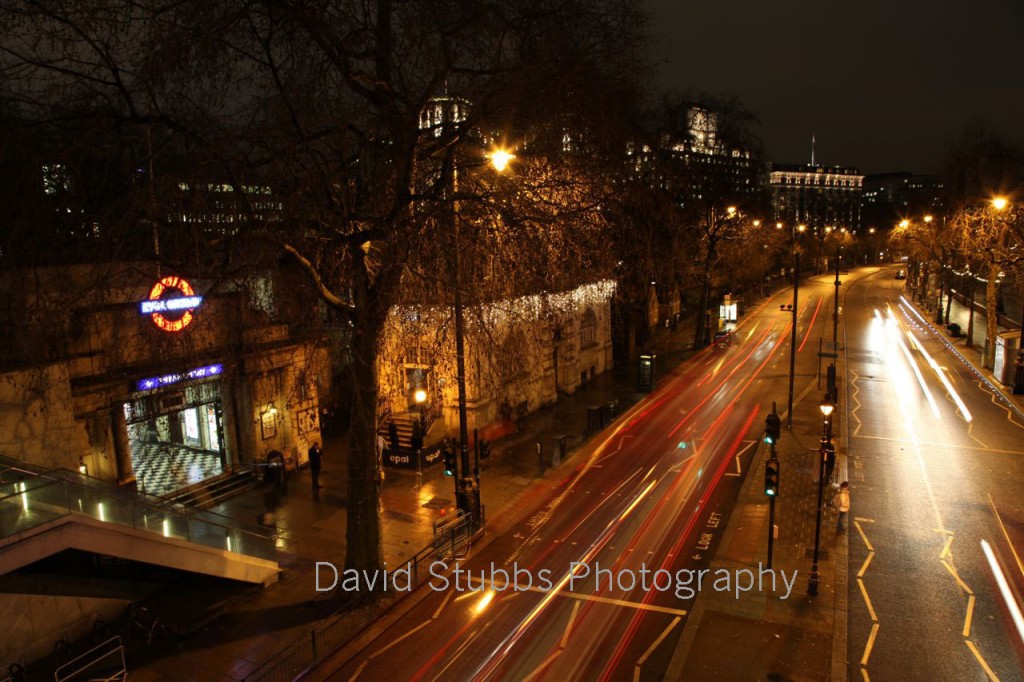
403	422
213	491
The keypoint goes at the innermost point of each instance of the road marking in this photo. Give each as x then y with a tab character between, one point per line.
860	573
945	549
863	520
999	518
640	606
863	537
977	655
739	469
864	674
541	667
871	609
396	641
443	604
568	628
952	572
359	670
871	644
925	442
970	614
650	649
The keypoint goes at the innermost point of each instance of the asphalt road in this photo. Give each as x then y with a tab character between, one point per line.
936	468
643	498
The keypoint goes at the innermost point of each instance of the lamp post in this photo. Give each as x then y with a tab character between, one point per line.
826	408
792	340
467	490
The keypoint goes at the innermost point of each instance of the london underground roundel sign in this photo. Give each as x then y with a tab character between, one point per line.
169	312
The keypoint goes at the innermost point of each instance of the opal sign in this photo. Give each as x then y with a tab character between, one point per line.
170	304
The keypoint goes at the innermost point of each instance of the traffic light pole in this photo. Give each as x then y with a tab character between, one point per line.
771	512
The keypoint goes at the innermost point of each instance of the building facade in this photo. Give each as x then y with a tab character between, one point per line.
151	380
520	355
817	196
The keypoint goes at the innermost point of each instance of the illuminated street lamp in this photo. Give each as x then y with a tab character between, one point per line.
467	489
420	396
826	407
792	340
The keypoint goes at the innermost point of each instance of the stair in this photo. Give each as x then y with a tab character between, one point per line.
403	422
213	491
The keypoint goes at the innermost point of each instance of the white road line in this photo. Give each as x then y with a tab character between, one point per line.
650	649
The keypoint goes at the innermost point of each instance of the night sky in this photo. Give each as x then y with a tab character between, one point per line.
883	85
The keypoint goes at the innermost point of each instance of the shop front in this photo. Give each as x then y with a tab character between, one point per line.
176	433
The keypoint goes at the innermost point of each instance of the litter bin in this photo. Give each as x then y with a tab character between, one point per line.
593	419
954	329
606	414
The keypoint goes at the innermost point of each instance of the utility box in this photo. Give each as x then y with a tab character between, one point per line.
1005	362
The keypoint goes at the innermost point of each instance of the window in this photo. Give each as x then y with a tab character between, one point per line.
588	329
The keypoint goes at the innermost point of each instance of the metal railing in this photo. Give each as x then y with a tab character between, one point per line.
105	662
40	497
452	538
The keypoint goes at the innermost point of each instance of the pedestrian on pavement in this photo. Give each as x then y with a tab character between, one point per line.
417	438
382	445
315	462
842	502
393	435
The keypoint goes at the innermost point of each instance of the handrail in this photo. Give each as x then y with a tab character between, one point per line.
151	502
57	498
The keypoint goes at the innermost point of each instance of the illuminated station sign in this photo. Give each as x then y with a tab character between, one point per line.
168	379
169	312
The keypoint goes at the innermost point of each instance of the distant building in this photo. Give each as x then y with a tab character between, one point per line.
890	197
817	196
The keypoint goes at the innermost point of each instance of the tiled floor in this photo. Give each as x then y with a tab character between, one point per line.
162	468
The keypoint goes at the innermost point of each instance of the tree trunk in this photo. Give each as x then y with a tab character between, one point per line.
703	321
991	316
363	532
938	309
949	301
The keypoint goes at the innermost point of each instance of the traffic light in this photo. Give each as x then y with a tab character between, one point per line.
771	478
449	462
772	429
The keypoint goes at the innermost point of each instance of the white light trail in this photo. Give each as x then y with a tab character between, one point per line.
942	377
1004	588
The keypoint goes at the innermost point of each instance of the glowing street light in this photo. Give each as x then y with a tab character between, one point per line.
500	159
826	407
999	203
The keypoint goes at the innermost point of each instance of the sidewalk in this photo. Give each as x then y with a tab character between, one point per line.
255	624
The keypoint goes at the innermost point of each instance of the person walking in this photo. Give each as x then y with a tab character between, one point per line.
393	435
315	462
842	501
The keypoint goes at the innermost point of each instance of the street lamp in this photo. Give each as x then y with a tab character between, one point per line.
792	340
467	489
420	396
826	407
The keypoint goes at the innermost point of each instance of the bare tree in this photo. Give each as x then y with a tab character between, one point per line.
324	102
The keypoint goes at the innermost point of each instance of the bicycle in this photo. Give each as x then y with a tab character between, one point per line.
142	619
